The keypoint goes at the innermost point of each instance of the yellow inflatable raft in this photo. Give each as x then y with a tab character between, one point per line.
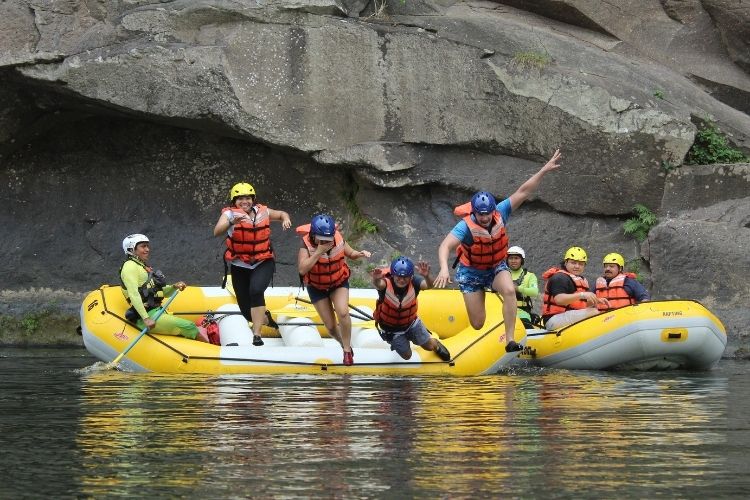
658	335
298	345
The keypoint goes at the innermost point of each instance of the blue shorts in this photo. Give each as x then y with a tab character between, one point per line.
470	279
416	333
317	294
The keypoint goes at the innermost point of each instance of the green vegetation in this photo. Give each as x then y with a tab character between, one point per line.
641	224
659	94
361	224
668	166
711	146
45	327
634	266
531	60
358	282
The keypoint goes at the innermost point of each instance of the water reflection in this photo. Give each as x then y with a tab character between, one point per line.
531	433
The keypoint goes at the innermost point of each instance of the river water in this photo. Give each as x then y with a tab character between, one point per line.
67	431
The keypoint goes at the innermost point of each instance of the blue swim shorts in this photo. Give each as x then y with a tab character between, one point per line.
470	279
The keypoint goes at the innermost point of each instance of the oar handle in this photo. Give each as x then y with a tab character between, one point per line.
158	314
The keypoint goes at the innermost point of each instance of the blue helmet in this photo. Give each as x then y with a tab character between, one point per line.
323	225
403	267
483	203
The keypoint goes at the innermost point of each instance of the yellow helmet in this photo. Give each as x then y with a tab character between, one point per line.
241	189
576	253
614	258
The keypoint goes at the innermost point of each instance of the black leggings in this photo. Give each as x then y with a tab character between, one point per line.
250	284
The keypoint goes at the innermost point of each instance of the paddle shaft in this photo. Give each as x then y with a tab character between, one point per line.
158	314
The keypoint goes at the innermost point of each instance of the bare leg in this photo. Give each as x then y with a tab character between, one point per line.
340	298
503	284
258	315
324	308
474	302
435	345
336	335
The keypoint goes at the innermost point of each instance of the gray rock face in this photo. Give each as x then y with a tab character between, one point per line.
703	253
732	19
707	40
699	186
137	115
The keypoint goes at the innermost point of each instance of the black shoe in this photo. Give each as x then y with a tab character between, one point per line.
513	346
270	322
257	340
442	352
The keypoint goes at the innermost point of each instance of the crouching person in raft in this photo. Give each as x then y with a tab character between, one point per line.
396	309
145	289
321	262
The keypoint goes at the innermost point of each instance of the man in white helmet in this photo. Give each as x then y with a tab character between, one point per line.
145	289
525	283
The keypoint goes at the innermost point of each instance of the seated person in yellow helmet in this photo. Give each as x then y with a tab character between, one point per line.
526	285
619	288
145	288
567	298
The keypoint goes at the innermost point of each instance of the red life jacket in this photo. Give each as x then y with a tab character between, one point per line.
331	269
614	292
549	307
250	241
393	313
489	248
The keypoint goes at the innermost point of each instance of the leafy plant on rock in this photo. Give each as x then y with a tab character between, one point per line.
361	223
641	224
711	146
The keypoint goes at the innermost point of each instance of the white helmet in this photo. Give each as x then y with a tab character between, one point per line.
517	251
130	242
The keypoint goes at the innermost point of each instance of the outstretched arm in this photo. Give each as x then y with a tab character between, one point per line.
449	245
528	187
282	216
378	281
355	254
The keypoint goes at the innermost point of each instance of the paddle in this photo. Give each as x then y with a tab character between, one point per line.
159	312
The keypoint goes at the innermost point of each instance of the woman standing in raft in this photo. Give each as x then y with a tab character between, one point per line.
247	228
321	262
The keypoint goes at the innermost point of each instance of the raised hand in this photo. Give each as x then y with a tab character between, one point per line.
423	268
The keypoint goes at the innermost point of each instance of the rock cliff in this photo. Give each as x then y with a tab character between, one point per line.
123	116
